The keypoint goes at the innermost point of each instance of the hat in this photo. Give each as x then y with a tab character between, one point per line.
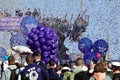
36	54
115	63
66	68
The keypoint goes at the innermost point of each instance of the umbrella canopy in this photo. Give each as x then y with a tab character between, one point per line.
22	49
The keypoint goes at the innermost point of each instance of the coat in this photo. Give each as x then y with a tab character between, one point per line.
6	74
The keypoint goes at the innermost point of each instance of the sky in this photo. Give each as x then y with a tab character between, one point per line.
104	19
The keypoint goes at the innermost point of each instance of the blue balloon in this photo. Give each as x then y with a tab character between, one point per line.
6	57
18	39
3	53
28	23
85	44
88	57
100	46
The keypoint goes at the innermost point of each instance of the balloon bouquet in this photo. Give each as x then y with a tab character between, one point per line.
38	38
92	51
45	40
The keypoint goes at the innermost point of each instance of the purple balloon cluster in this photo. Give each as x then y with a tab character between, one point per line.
45	40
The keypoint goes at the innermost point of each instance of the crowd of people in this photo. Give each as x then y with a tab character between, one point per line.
35	69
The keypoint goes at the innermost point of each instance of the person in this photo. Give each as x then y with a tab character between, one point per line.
99	73
52	70
82	75
33	71
79	66
59	71
37	60
91	66
116	70
67	73
6	75
28	12
105	65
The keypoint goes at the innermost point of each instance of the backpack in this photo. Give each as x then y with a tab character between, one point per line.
68	76
13	75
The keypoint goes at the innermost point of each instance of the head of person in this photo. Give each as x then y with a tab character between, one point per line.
79	62
51	62
99	72
37	57
104	63
11	60
29	59
115	66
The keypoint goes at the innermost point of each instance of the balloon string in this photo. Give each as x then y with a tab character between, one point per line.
82	6
4	42
108	40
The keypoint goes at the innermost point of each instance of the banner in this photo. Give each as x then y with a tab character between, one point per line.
10	23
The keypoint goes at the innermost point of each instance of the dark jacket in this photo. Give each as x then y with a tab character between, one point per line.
53	74
81	76
33	71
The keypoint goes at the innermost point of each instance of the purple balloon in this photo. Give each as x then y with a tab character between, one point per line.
47	29
54	38
55	45
29	42
31	34
46	60
41	34
37	44
42	40
54	58
49	48
54	52
37	50
45	54
33	30
41	27
48	42
48	36
35	37
37	31
44	48
53	31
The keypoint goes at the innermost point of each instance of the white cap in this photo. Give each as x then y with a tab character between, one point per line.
115	63
84	68
66	68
